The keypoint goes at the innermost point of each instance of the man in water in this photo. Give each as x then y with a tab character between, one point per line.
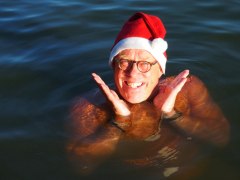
142	100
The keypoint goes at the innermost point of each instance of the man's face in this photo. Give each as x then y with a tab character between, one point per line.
133	85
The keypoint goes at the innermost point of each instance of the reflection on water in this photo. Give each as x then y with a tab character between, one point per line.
49	48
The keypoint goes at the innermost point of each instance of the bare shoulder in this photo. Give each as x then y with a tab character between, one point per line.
85	117
196	90
195	82
84	109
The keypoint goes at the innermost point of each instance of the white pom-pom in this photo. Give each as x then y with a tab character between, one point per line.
159	44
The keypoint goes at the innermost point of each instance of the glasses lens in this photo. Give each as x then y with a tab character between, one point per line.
123	64
143	66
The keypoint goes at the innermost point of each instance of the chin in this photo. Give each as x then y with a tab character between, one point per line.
135	100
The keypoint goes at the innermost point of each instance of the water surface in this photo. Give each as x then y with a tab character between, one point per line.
49	49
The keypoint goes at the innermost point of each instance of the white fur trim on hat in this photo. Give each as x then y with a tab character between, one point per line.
157	47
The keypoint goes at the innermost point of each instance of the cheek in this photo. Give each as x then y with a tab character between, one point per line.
154	83
154	78
117	78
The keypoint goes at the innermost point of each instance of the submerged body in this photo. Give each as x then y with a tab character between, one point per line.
150	142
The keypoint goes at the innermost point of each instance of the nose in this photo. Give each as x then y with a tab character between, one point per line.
133	70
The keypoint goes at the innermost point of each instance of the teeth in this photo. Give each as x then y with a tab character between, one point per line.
134	85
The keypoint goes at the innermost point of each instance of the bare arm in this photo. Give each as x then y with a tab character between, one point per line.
202	118
92	138
91	151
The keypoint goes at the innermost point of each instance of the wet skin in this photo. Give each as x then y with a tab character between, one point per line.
94	137
140	100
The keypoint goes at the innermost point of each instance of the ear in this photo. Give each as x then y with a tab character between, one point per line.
160	71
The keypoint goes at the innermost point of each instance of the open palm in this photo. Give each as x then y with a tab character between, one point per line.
166	98
119	106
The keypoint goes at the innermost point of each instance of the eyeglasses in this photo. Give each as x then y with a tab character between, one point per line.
142	66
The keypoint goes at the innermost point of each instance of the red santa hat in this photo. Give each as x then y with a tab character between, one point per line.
142	31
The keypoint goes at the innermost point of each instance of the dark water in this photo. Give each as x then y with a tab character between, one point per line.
49	48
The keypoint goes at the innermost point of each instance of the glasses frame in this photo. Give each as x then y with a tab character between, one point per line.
137	62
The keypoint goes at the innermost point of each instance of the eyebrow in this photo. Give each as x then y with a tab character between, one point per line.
126	58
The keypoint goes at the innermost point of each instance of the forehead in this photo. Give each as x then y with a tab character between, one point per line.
135	54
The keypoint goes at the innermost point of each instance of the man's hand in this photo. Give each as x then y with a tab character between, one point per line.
119	106
166	97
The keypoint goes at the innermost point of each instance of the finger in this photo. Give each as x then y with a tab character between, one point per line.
183	75
100	82
181	84
114	94
97	78
105	89
109	94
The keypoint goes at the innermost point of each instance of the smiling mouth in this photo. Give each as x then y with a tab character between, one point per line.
134	85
